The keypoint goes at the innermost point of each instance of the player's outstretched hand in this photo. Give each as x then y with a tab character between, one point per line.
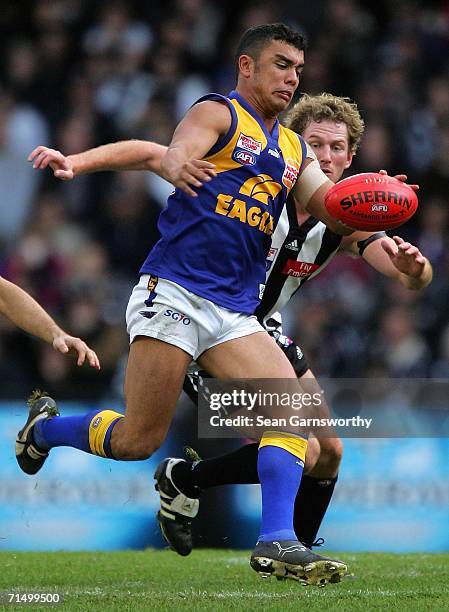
193	173
406	257
69	344
42	157
402	178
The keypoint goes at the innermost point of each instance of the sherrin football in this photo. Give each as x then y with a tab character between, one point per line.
371	201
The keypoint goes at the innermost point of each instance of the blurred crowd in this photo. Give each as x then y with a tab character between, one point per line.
75	75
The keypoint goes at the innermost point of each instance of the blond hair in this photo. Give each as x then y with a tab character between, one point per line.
326	107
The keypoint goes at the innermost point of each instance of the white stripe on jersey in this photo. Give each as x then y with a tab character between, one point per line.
280	287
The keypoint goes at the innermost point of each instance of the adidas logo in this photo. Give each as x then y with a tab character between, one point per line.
293	246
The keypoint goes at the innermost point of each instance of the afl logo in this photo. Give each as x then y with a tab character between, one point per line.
244	157
379	208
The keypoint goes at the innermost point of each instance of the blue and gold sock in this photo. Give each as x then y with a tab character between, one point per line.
280	465
89	432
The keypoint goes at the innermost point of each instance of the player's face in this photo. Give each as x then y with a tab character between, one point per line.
275	75
330	142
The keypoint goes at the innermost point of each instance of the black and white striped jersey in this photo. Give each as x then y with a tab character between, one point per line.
297	254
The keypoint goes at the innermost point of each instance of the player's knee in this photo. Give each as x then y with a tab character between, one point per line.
331	452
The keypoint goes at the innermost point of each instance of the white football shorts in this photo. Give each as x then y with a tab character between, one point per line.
164	310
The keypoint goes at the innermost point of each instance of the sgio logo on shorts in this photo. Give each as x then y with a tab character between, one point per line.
177	316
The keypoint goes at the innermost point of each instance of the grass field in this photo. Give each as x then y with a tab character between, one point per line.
216	580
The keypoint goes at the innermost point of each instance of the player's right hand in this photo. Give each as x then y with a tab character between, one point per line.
42	157
193	173
400	177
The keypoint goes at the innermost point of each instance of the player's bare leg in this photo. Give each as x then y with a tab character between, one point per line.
154	378
153	383
328	462
256	356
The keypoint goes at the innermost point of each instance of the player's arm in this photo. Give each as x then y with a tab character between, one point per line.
22	310
124	155
195	135
392	257
309	191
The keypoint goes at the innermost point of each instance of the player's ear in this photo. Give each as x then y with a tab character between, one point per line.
349	159
246	65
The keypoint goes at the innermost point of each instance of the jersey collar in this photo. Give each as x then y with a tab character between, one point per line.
241	100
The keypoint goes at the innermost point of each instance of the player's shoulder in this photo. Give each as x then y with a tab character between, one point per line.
213	107
214	101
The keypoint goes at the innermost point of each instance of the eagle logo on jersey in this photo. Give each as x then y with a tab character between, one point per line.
261	187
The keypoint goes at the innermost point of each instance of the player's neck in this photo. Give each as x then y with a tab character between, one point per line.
268	119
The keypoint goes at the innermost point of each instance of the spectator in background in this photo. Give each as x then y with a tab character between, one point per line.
400	345
20	125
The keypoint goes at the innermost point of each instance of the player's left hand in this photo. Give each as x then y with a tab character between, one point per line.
406	257
42	157
69	344
402	178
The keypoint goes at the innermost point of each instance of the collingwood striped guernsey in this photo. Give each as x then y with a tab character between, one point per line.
297	254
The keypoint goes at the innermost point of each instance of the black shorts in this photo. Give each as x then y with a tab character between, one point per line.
196	381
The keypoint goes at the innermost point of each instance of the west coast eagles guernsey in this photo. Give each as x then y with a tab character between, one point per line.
216	245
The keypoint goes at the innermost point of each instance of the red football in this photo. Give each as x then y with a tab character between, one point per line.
371	201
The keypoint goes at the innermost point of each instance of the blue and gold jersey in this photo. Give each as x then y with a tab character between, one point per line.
215	245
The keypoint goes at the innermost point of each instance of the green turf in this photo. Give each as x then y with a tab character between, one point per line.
216	580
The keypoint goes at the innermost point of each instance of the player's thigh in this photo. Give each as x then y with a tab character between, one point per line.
153	382
252	356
